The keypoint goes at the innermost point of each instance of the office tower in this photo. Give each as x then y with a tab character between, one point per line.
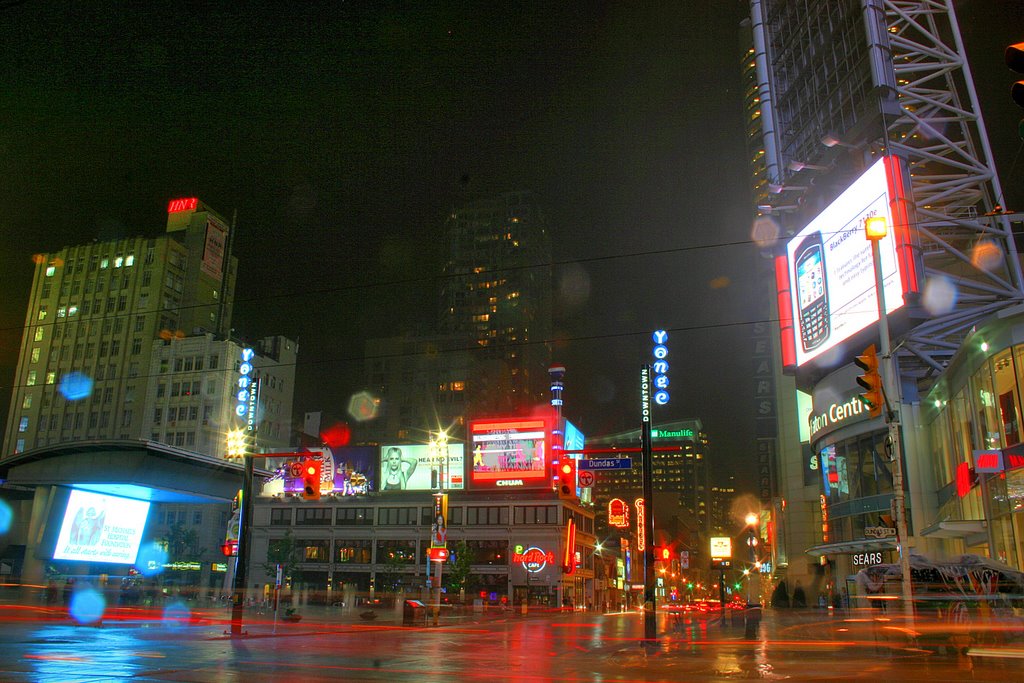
496	294
110	323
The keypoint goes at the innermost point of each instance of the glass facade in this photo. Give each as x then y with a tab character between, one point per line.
979	408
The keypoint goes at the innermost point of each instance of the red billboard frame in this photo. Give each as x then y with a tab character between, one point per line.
491	468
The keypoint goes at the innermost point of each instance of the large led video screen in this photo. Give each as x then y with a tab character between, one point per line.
510	452
831	278
421	467
101	528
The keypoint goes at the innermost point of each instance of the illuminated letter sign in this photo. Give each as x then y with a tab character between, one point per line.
618	513
184	204
641	532
988	462
660	367
248	390
645	394
533	559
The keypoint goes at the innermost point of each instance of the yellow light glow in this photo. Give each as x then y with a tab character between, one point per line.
875	228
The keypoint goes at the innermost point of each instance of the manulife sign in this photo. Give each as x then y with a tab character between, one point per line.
672	434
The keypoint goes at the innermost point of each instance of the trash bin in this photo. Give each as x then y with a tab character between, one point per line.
414	612
752	619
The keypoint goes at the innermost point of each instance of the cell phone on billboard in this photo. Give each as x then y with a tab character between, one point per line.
812	291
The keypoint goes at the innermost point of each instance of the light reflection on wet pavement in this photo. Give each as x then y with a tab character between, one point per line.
545	647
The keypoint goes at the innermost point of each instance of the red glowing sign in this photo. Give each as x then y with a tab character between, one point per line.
183	204
988	462
965	478
618	513
438	554
569	555
533	558
641	522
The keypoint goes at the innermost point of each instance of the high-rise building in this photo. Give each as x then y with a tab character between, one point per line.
126	339
680	468
840	86
496	294
722	497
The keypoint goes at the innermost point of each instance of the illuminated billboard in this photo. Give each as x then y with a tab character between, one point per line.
418	467
346	470
826	279
510	452
101	528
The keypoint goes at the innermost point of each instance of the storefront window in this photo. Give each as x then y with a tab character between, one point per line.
984	402
941	443
396	552
963	432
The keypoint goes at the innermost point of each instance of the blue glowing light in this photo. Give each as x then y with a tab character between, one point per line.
87	606
177	613
151	560
75	386
6	517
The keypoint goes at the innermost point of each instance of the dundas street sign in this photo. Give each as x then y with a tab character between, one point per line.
606	464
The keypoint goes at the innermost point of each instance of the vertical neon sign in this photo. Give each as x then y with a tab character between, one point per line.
641	523
660	367
248	390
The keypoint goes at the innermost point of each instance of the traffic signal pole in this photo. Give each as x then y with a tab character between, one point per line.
244	537
890	378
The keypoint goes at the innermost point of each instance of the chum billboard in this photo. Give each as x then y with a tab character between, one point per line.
510	452
826	279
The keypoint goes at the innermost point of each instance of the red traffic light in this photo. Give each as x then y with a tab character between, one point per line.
311	479
567	478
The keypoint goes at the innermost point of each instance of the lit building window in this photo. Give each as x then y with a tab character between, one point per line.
51	377
129	260
23	425
105	263
30	381
118	262
39	334
50	270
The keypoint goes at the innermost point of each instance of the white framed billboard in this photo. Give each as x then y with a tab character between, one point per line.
101	528
417	467
831	278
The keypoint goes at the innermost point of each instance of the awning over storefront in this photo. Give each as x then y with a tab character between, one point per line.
956	528
859	545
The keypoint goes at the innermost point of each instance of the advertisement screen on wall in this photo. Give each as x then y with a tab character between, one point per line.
348	470
510	452
101	528
420	467
827	289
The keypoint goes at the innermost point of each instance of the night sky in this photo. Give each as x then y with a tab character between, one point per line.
343	132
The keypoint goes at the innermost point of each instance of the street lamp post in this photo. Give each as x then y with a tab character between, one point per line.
752	519
876	228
